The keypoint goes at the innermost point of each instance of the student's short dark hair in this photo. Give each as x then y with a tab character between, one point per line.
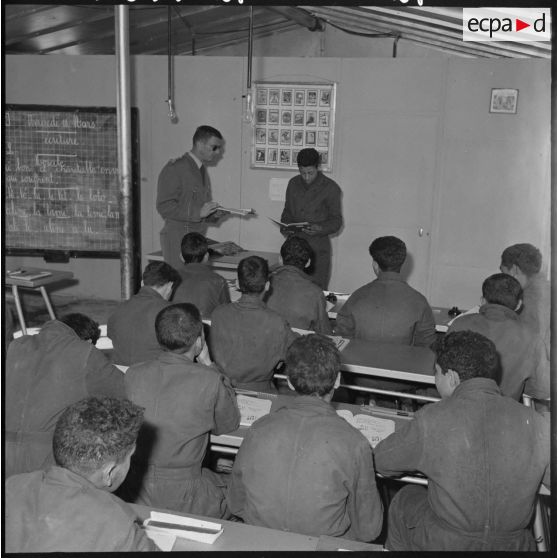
157	274
178	326
525	256
502	289
308	157
253	273
296	251
95	430
312	364
205	133
194	247
85	327
469	353
389	252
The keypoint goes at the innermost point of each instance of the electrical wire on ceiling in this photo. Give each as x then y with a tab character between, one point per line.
360	33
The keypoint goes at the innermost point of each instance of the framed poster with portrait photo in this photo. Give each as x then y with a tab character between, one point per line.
504	101
290	117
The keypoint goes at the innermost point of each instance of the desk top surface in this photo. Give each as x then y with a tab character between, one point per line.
234	439
54	277
271	257
242	537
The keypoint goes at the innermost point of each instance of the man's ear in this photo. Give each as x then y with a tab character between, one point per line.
205	257
290	385
141	284
375	267
108	471
337	381
519	305
267	286
454	378
181	258
307	264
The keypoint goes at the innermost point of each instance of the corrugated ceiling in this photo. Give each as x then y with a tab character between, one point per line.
197	29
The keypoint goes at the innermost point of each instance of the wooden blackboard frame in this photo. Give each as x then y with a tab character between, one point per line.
50	254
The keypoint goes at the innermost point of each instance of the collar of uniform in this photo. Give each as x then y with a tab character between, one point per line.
485	385
168	357
390	276
196	267
198	162
148	292
497	312
66	477
308	402
290	269
249	300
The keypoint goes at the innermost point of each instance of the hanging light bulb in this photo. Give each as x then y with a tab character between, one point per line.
248	108
172	114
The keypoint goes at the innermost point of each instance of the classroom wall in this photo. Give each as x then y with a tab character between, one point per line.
415	148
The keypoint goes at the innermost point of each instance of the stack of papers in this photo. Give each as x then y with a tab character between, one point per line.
374	429
171	525
252	408
28	275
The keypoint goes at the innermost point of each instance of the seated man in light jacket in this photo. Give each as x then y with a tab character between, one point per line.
69	507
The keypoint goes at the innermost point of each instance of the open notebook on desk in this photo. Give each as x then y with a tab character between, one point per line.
228	248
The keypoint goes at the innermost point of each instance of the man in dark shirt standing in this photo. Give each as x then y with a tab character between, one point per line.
313	198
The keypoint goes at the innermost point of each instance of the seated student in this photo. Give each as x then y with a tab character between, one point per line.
387	310
524	366
44	374
484	455
69	507
303	468
523	261
247	339
293	294
132	325
199	285
184	401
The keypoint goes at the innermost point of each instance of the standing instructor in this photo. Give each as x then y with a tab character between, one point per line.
313	198
184	193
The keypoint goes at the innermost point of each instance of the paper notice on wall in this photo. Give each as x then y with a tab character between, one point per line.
277	189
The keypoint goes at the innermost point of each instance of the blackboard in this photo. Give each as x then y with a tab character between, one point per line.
62	181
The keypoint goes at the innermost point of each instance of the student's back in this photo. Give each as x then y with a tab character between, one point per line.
44	374
298	299
202	287
387	310
522	355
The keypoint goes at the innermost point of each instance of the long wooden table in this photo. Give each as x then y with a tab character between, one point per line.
242	537
227	262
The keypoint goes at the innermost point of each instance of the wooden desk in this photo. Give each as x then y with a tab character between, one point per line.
441	316
227	262
397	362
242	537
36	284
229	443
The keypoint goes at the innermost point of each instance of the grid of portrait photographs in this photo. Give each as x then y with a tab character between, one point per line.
289	117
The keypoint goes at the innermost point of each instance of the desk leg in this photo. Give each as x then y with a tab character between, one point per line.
48	304
19	309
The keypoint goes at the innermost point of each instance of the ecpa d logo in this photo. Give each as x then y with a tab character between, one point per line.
506	24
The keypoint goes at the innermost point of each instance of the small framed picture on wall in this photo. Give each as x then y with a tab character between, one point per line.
290	117
504	101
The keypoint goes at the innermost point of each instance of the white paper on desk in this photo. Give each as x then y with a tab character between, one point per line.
164	541
373	428
252	408
208	538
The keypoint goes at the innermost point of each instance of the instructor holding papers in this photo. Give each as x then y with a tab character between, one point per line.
313	198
